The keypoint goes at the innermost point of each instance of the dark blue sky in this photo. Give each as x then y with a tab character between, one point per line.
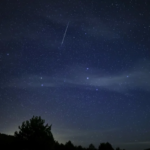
93	85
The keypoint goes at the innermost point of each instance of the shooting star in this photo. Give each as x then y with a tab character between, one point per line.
64	34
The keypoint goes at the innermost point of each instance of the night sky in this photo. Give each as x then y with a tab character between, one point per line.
82	65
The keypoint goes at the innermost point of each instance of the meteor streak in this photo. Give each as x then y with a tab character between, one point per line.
64	34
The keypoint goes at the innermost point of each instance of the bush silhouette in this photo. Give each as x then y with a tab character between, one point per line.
35	135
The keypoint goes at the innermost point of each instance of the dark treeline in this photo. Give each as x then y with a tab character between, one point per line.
34	135
7	141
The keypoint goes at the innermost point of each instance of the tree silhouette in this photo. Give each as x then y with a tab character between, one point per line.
118	148
79	147
69	146
91	147
35	134
105	146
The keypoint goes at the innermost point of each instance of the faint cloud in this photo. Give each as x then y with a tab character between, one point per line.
137	78
78	76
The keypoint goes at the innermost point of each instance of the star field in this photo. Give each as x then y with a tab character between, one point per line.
83	66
